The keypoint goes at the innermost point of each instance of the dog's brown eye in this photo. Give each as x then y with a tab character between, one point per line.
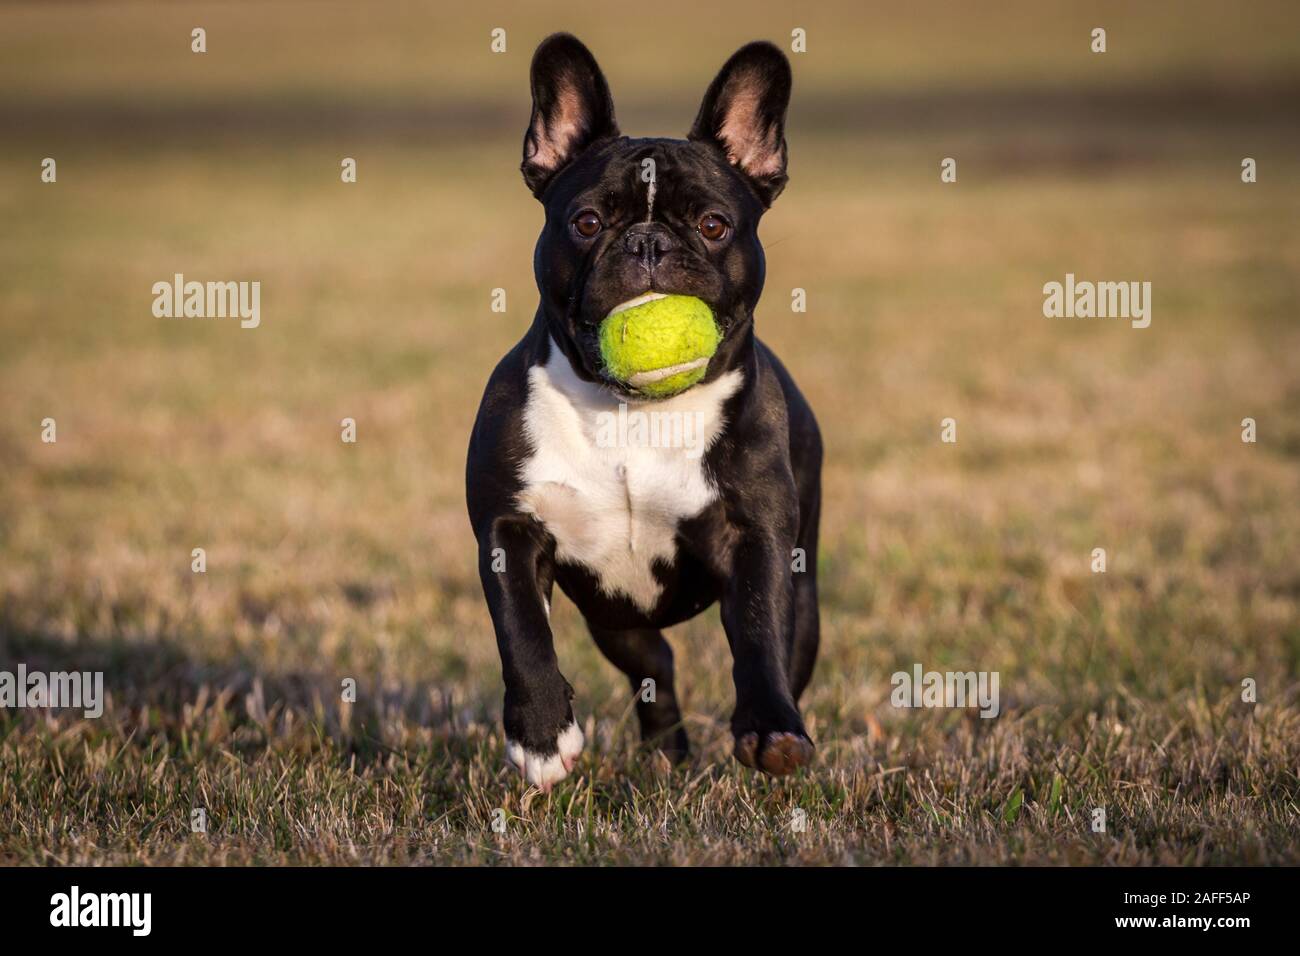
713	227
587	223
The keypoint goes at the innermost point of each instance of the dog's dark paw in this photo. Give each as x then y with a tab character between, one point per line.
770	737
777	753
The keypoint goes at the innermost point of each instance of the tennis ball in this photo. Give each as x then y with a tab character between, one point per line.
658	344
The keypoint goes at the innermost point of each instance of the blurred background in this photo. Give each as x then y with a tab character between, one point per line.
328	560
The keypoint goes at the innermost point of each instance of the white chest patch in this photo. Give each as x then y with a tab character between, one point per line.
611	478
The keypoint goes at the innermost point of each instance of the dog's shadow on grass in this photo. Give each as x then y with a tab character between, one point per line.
163	686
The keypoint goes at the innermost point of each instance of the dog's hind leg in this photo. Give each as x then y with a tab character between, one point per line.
643	653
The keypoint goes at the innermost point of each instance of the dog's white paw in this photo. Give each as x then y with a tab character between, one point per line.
543	770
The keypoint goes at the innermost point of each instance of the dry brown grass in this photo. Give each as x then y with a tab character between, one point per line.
329	560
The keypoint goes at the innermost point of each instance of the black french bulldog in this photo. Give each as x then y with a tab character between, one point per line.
641	535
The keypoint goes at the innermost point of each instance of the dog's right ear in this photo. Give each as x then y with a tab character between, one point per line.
572	109
743	114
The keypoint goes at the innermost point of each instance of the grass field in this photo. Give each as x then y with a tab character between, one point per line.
328	560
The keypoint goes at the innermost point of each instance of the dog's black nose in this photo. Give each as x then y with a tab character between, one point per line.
649	242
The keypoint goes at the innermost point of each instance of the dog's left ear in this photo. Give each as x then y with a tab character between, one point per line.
572	108
743	113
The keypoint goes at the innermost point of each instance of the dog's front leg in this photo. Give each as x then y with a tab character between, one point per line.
758	615
516	565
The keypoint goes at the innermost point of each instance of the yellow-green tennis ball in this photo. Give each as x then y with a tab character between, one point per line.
659	345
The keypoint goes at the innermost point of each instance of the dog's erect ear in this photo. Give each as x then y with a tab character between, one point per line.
572	108
743	113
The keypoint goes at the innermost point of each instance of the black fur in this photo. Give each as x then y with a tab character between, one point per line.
767	463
